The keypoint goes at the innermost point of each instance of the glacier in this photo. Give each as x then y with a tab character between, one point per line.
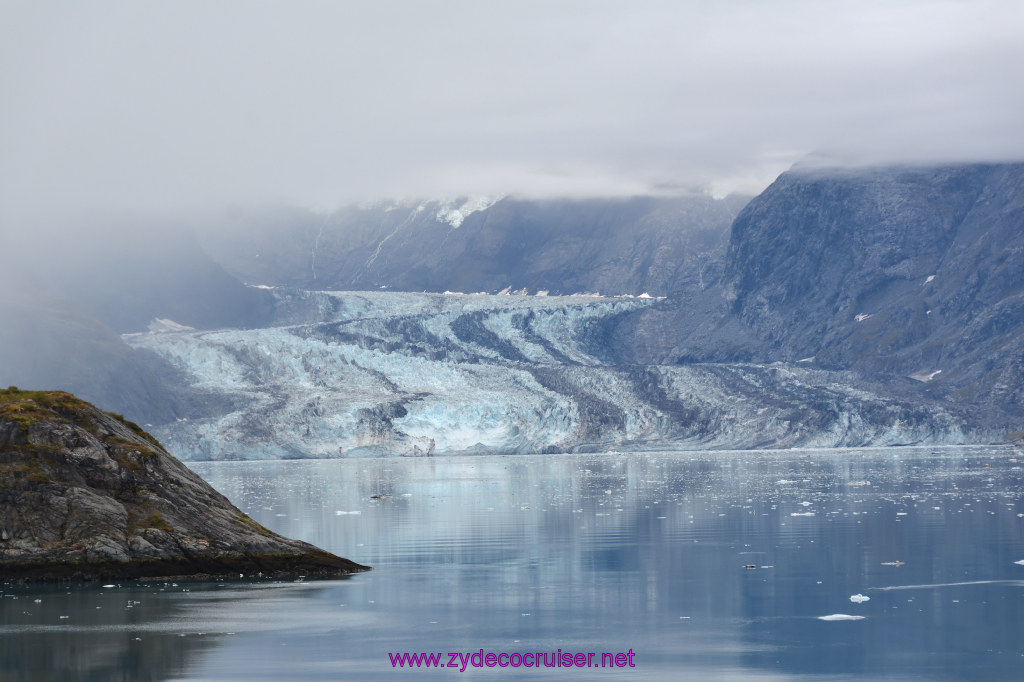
342	374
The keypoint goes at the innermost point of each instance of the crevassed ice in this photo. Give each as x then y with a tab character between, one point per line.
385	373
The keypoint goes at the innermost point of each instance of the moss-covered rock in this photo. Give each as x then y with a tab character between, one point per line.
87	495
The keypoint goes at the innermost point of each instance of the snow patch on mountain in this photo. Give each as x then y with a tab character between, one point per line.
453	212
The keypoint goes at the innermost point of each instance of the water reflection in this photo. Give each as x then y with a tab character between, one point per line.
708	566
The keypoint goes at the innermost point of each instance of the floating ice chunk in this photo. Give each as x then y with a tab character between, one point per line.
929	280
840	616
925	377
859	598
343	513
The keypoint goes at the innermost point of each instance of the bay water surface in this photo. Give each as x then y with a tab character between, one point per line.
887	563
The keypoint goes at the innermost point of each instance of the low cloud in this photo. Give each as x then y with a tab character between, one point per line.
166	106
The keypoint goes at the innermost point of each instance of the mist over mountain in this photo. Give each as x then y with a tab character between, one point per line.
67	295
485	244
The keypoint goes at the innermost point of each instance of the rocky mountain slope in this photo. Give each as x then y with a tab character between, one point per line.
892	272
485	244
85	495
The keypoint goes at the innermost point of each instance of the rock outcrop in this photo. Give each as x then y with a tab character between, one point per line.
86	495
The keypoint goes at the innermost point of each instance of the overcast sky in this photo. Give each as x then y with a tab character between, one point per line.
177	104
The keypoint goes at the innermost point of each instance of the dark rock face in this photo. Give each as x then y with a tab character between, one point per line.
898	272
901	271
85	495
615	246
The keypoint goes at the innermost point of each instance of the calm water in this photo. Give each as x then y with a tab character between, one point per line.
584	553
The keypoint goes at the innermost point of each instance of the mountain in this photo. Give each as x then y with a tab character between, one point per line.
839	307
86	495
891	272
614	246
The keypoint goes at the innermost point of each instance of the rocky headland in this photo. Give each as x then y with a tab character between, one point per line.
87	495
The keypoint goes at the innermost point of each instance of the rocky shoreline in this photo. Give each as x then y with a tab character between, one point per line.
86	495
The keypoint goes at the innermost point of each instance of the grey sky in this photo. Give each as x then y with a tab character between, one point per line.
178	104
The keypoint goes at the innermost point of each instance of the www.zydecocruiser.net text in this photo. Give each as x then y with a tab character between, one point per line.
530	659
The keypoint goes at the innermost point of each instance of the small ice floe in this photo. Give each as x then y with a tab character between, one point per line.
343	513
859	598
929	280
840	616
925	377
